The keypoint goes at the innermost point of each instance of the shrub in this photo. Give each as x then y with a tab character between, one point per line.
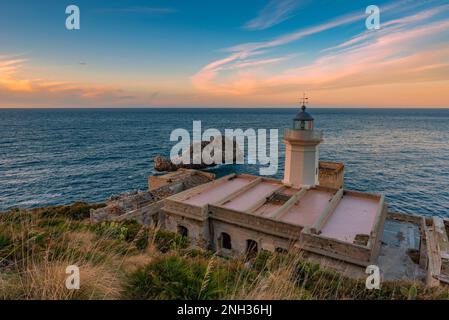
5	242
124	231
52	223
111	230
261	260
172	276
195	252
166	241
76	211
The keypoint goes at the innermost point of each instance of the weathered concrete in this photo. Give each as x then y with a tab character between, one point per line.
400	238
145	207
243	201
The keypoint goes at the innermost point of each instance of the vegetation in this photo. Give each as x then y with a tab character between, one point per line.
128	261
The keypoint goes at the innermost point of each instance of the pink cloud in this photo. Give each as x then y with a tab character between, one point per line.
402	52
24	91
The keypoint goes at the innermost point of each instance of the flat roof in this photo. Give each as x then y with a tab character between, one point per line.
352	216
218	191
336	214
250	197
308	208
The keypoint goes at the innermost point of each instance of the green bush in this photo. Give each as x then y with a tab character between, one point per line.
16	216
198	253
261	260
142	238
52	223
174	277
124	231
5	242
166	241
76	211
111	230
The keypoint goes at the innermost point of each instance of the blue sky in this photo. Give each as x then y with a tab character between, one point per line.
221	53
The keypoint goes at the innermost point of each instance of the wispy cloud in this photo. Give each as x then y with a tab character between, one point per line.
407	52
17	89
275	12
240	53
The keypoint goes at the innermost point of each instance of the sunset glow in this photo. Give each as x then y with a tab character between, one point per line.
175	54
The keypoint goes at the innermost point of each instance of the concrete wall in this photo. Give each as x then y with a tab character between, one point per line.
331	178
239	237
198	231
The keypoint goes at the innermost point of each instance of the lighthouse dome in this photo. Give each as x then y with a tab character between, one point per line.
303	120
303	115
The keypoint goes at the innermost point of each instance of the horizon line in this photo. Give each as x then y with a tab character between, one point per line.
228	107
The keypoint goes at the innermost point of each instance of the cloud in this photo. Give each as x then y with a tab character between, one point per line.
238	54
410	51
8	67
275	12
18	90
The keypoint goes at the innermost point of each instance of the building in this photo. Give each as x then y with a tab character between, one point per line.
309	209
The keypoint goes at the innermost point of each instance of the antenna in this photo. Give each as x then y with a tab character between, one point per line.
304	100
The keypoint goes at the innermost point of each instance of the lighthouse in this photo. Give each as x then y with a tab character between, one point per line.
302	150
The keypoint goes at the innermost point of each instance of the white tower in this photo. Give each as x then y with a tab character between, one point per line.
301	150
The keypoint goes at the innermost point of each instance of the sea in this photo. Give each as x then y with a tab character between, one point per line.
59	156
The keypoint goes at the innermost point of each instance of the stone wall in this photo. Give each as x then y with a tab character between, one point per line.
331	174
145	206
198	231
239	236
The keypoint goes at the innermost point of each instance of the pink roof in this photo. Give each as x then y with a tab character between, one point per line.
250	197
353	215
309	207
267	209
217	191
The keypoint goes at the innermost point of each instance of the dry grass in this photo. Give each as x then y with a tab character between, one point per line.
271	286
40	250
133	263
120	261
46	281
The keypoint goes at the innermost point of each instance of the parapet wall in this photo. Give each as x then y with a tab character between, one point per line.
331	174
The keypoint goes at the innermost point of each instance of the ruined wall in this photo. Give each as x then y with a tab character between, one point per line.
239	237
198	231
139	206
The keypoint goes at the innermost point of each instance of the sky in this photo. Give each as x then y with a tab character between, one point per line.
203	53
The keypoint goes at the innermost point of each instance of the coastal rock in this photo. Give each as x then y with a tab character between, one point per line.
162	164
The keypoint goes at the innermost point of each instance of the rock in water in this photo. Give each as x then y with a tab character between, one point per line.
162	164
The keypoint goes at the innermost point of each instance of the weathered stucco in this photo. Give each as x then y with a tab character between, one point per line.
252	208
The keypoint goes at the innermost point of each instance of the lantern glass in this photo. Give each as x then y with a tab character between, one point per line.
302	125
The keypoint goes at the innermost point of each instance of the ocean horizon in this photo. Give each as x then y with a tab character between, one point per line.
55	156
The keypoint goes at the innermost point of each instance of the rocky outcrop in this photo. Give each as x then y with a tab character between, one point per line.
163	164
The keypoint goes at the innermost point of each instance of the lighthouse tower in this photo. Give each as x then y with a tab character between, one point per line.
301	150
